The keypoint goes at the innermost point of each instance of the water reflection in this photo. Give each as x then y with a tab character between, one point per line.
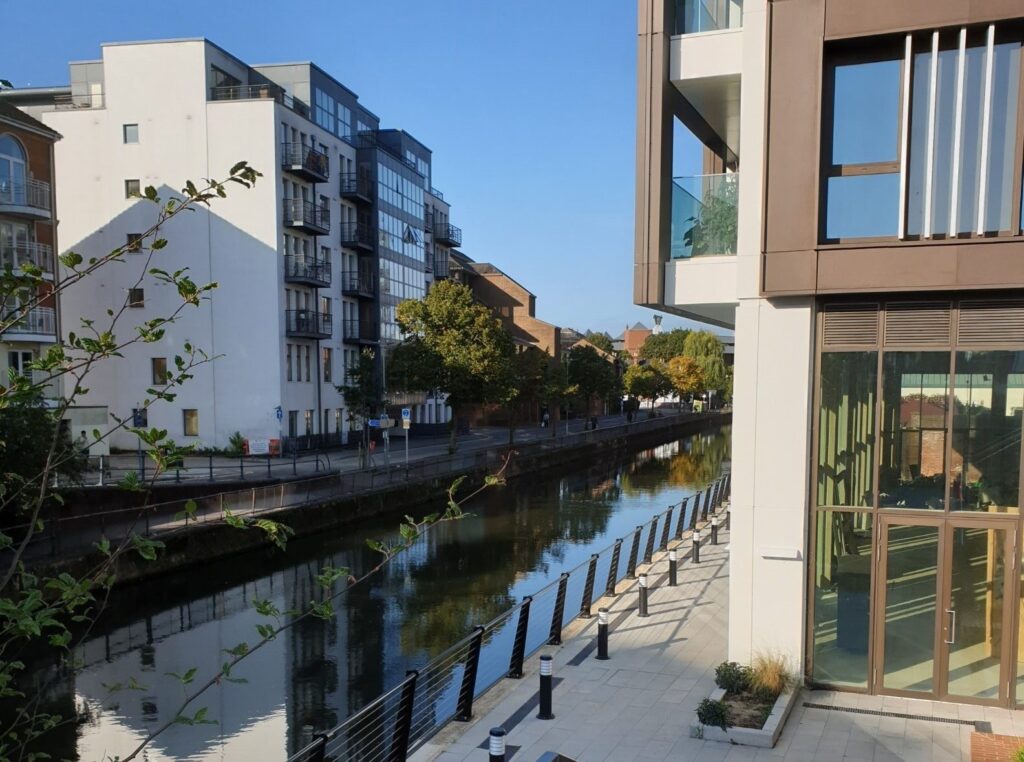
317	673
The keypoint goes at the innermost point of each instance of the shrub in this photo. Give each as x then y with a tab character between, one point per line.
732	677
236	444
713	714
1020	755
769	676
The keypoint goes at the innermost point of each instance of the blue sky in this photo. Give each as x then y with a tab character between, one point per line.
529	107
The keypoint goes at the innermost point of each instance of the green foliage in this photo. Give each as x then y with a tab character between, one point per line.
664	346
236	444
709	353
1019	756
646	382
601	340
732	677
714	714
362	393
685	376
590	376
715	226
27	432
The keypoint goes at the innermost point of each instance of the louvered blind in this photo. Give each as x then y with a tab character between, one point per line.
911	324
846	324
988	322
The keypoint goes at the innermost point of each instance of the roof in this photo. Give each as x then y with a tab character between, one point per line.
12	115
638	326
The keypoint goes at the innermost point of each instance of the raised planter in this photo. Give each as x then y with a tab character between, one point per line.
765	738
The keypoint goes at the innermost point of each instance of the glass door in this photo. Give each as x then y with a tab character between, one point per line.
975	619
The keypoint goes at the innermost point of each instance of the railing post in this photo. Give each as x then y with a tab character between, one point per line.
588	588
559	612
241	467
320	752
613	570
696	510
663	545
651	537
268	466
403	720
210	462
631	566
515	664
681	526
707	505
464	711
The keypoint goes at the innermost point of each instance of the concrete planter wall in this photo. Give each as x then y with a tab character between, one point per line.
766	737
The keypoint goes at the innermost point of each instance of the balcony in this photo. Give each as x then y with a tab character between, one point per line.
441	265
312	272
358	332
357	235
358	284
446	234
696	16
704	215
436	193
25	198
70	101
306	216
39	324
305	162
307	324
18	253
356	187
260	92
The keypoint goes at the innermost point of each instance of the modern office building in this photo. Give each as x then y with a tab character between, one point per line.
311	263
858	223
28	231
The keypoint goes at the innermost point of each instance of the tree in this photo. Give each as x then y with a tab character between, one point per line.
454	345
590	376
535	383
714	228
664	346
601	340
646	382
685	375
707	350
362	394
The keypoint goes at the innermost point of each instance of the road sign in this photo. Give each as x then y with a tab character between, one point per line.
406	414
279	413
259	446
373	423
385	422
406	423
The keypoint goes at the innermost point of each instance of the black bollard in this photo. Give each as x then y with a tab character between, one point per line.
696	546
673	567
643	595
728	516
496	746
545	689
602	634
714	530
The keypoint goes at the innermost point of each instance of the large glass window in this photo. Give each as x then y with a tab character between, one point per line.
988	403
846	429
842	598
915	390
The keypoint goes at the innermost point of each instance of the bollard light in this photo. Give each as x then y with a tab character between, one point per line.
643	595
602	634
673	567
714	530
545	712
696	546
496	746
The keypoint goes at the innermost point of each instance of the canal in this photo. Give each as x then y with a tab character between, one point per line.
519	538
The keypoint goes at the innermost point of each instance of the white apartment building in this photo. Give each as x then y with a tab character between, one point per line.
310	263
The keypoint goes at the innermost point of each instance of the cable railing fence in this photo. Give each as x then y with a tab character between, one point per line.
400	721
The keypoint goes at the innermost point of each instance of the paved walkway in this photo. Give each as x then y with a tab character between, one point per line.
641	703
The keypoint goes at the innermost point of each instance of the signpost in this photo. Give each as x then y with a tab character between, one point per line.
406	423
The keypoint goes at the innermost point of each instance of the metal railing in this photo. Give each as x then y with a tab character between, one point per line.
66	101
300	155
448	234
307	270
400	721
694	16
356	184
38	320
436	193
357	283
308	323
257	92
704	215
298	211
15	254
356	234
31	193
358	331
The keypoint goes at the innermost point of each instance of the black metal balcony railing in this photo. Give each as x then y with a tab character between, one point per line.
15	254
256	92
447	234
356	186
357	284
316	272
34	194
428	221
356	235
308	324
306	215
441	265
38	320
305	161
436	193
358	332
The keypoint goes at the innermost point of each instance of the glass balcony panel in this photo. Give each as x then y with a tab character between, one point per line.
694	16
704	215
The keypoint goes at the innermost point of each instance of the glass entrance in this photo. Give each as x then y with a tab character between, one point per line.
942	610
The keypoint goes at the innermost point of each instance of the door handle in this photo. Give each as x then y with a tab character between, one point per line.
951	639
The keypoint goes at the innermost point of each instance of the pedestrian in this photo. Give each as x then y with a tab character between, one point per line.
544	419
593	422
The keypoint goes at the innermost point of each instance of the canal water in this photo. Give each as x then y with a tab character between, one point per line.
519	538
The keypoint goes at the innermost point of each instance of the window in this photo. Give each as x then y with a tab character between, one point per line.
134	242
309	422
307	354
130	133
293	423
18	362
13	170
159	368
288	362
136	297
132	189
223	79
326	359
190	422
846	426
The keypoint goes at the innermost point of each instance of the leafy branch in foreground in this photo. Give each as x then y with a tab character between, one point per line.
409	532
